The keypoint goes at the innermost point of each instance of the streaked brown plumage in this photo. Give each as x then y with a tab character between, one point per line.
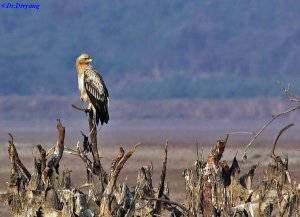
92	88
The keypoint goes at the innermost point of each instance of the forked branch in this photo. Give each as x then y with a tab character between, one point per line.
97	167
117	165
274	117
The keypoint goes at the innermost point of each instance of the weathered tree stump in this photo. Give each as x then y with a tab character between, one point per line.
212	187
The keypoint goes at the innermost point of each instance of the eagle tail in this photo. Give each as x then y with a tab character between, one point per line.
103	117
97	117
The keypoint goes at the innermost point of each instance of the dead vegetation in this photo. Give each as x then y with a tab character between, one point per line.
212	188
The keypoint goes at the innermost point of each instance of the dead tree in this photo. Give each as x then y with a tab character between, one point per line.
96	167
219	190
117	165
212	187
36	194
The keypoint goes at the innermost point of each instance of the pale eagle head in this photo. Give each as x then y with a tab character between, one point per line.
83	59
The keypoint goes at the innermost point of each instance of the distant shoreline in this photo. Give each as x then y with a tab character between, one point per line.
32	120
49	107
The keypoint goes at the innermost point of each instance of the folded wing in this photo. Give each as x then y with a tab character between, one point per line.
97	93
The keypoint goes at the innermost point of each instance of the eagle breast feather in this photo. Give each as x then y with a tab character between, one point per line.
93	84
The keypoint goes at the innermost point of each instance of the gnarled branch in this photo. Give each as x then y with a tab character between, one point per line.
14	157
59	148
97	167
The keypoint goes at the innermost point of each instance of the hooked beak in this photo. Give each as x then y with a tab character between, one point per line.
89	60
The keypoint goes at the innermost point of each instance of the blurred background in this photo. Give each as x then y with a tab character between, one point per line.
175	69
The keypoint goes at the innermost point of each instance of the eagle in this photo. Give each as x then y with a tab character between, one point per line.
92	88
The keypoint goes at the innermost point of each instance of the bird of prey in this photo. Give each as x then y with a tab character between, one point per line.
92	88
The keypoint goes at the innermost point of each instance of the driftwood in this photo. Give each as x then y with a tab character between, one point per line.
219	190
213	187
36	194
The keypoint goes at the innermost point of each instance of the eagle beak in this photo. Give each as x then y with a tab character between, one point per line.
90	60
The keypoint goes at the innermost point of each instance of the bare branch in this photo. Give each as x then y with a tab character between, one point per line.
50	151
240	132
217	152
273	155
60	141
289	95
80	108
59	148
78	152
157	208
118	164
274	117
97	167
187	212
41	157
14	157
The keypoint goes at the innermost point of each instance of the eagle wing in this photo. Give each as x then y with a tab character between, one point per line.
97	93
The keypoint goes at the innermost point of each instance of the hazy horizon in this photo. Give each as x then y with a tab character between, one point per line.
32	120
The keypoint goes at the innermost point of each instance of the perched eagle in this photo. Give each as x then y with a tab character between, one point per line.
92	88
